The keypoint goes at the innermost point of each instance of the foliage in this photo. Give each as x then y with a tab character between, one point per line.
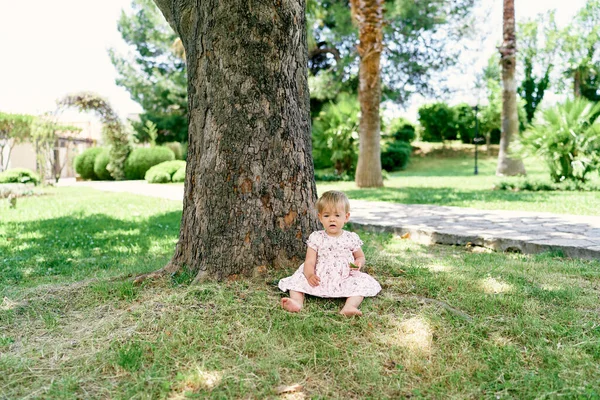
464	122
14	129
401	129
151	131
437	121
112	128
85	163
153	72
538	41
580	51
537	185
328	176
163	172
567	137
395	156
415	51
177	149
100	166
335	135
19	175
179	176
142	159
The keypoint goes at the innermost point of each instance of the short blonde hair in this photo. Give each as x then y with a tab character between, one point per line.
333	198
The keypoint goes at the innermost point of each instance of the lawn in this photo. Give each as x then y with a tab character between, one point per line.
449	323
450	181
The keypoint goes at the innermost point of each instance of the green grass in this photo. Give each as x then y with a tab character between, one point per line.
450	181
450	323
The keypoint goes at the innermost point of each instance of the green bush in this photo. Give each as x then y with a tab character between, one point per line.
100	164
84	163
567	137
19	175
179	176
143	158
166	169
332	177
438	122
177	149
335	135
396	156
533	185
401	130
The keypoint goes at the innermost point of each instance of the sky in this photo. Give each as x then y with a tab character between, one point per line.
53	48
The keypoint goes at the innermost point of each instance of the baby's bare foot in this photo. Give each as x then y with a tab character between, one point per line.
290	305
349	311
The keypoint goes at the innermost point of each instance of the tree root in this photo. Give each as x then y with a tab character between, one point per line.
168	270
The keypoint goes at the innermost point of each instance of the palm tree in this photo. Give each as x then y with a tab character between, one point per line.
508	165
368	15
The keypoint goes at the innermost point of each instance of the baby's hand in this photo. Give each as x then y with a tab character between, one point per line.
356	265
313	280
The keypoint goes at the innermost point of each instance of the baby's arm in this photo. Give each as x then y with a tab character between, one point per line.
309	267
359	258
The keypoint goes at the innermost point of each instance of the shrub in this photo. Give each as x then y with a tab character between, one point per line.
19	175
335	135
437	120
179	176
464	122
143	158
332	177
534	185
401	130
100	164
567	137
396	156
166	169
84	163
177	149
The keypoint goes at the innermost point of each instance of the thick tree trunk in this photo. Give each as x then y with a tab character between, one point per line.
507	165
249	189
369	16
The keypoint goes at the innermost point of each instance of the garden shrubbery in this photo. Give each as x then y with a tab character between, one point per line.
533	185
567	137
143	158
164	172
19	175
395	156
100	164
84	163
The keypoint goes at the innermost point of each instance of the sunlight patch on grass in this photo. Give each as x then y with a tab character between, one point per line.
438	268
414	334
8	304
500	340
196	380
493	286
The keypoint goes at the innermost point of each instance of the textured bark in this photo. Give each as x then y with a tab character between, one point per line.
249	187
369	16
508	165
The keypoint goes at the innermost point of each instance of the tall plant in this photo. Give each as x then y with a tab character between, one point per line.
14	129
567	137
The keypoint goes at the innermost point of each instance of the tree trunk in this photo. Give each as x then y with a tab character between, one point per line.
249	188
507	165
369	16
577	82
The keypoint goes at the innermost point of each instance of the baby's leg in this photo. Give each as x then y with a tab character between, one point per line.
351	306
293	303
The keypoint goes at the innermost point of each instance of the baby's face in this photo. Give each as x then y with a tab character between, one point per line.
333	220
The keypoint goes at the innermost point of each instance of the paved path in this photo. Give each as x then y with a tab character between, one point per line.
526	232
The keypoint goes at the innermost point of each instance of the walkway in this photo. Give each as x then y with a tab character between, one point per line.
518	231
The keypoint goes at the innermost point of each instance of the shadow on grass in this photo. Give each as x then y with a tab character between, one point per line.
79	245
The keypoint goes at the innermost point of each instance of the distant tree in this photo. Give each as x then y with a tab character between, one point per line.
509	164
154	72
580	51
14	129
538	40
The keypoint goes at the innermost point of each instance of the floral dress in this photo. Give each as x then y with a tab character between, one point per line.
334	255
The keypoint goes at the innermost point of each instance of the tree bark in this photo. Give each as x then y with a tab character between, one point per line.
369	16
508	165
249	188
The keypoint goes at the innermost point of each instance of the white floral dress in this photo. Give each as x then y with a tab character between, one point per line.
334	255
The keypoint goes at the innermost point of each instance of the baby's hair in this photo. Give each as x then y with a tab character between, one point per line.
333	198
